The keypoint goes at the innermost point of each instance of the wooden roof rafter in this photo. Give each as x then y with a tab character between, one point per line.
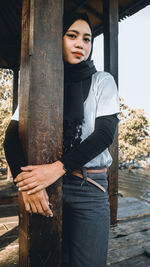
79	4
132	8
87	7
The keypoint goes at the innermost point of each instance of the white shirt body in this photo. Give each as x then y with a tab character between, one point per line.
102	100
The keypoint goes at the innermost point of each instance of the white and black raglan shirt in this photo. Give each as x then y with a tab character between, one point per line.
101	116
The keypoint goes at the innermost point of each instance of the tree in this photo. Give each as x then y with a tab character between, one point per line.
6	79
134	137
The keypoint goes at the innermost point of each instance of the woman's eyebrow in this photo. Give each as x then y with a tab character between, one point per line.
88	34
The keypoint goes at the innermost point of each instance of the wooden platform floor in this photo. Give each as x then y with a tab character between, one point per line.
129	241
9	235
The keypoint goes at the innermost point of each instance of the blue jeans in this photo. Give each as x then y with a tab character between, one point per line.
86	222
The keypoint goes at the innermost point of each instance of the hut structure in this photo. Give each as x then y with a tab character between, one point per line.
31	42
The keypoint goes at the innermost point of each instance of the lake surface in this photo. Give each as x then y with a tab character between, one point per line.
135	183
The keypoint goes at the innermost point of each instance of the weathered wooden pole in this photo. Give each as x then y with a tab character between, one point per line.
110	15
15	89
40	124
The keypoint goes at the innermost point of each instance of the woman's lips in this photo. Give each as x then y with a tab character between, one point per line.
77	54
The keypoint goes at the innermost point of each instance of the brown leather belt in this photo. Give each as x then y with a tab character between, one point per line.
79	174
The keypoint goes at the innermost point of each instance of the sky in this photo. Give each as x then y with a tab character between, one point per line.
134	59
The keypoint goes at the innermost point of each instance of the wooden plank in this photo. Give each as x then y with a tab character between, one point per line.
9	200
131	226
138	261
132	207
9	237
8	210
124	241
122	254
41	111
6	220
9	244
110	15
9	256
7	227
129	239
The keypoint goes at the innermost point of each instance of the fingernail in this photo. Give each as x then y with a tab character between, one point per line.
19	189
28	193
47	216
15	180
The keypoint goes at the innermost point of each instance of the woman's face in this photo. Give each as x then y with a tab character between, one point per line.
77	42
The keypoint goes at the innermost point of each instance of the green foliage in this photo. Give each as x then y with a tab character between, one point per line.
134	137
6	78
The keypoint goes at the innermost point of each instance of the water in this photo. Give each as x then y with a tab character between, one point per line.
135	183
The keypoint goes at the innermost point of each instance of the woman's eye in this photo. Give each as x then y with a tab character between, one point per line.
87	40
72	36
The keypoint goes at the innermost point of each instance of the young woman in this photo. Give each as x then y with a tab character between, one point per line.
91	110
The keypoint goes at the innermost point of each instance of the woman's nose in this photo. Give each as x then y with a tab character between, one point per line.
79	44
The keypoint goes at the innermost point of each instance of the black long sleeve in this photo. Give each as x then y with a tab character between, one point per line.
13	149
93	145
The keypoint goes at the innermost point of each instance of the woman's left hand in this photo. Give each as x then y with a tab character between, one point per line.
34	178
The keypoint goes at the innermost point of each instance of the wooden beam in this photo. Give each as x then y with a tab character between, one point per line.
40	123
110	15
94	12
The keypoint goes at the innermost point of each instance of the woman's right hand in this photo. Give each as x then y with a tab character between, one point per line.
37	203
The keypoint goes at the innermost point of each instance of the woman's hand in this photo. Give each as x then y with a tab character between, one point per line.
34	178
37	203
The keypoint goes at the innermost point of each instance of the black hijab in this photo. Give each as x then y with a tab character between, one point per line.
77	82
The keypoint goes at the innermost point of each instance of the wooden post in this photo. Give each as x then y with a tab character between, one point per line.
110	15
15	89
40	123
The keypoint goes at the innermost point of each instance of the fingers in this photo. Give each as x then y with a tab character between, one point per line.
22	186
26	203
23	176
38	203
46	195
35	190
29	167
47	199
40	209
34	207
28	207
45	206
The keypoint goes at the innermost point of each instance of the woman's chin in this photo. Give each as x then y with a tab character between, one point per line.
75	61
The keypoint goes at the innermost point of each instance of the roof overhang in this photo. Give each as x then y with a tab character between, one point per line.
10	23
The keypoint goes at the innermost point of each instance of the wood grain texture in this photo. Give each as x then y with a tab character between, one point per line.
41	117
110	22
